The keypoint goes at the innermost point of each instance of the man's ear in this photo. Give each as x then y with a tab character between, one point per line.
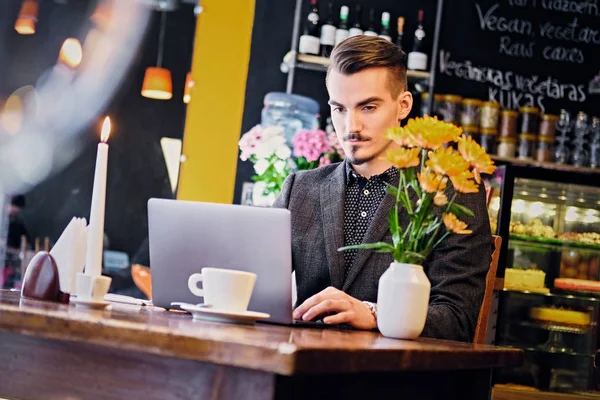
405	103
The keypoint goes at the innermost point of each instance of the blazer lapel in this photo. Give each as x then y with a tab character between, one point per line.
332	198
375	232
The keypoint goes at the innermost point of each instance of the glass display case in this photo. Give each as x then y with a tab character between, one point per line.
548	296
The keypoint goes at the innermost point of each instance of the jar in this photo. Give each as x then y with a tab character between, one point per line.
545	149
489	137
437	99
507	146
473	132
290	111
508	124
548	125
450	108
529	120
527	143
490	111
469	115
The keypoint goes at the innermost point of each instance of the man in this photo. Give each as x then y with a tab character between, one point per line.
345	204
16	225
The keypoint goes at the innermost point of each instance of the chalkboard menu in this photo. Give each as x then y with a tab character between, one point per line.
542	53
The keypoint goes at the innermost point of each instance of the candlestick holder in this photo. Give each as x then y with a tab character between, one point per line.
91	291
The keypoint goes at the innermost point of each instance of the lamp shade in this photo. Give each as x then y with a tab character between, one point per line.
71	53
27	18
157	84
189	84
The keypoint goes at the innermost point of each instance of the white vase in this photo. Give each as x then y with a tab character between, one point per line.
402	301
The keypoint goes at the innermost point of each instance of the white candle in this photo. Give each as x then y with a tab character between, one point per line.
95	236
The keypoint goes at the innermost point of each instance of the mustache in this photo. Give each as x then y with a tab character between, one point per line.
355	136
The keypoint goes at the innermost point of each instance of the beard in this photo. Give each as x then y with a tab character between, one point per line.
356	159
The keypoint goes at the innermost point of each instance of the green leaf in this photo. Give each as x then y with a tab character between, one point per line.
382	247
410	174
425	203
459	210
431	228
390	189
404	200
416	257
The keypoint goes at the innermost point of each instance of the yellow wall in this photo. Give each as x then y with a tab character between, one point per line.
214	114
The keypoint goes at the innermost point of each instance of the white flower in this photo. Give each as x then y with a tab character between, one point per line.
279	165
261	166
272	131
268	146
283	152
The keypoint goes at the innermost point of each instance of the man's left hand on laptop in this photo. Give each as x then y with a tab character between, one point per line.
339	307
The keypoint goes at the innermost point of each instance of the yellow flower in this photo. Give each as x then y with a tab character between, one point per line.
401	136
447	162
403	157
440	199
431	182
455	225
430	133
476	156
464	183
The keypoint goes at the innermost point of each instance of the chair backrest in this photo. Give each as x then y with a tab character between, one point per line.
142	277
490	280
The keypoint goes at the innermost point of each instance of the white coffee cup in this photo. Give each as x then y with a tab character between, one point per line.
224	289
92	287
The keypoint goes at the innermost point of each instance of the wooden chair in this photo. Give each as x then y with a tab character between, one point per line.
490	280
142	277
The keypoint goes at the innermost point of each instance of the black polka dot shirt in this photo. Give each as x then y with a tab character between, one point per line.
362	200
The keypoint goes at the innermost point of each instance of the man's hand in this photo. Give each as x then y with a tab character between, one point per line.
345	309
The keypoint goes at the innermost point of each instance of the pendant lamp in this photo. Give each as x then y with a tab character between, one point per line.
157	80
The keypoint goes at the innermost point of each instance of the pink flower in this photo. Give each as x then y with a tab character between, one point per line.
310	144
324	161
335	144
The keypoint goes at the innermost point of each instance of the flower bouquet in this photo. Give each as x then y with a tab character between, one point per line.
433	157
267	149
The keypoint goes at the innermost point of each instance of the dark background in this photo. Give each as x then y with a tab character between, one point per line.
461	35
136	167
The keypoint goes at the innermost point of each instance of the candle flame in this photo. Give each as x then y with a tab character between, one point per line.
105	130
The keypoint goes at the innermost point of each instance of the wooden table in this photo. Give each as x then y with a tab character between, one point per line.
53	351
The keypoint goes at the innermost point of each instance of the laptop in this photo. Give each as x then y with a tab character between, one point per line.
186	236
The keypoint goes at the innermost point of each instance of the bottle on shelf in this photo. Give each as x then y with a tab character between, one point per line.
356	29
328	33
417	60
342	31
400	32
371	29
385	26
309	41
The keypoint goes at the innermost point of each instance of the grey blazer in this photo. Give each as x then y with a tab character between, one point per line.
456	268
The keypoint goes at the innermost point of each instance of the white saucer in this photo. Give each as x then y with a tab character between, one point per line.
98	305
215	315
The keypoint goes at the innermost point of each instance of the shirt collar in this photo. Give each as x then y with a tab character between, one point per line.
386	176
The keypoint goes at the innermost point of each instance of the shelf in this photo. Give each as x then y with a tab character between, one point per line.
316	63
544	165
537	350
552	243
556	295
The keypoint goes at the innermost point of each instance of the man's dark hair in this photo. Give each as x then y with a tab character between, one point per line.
358	53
